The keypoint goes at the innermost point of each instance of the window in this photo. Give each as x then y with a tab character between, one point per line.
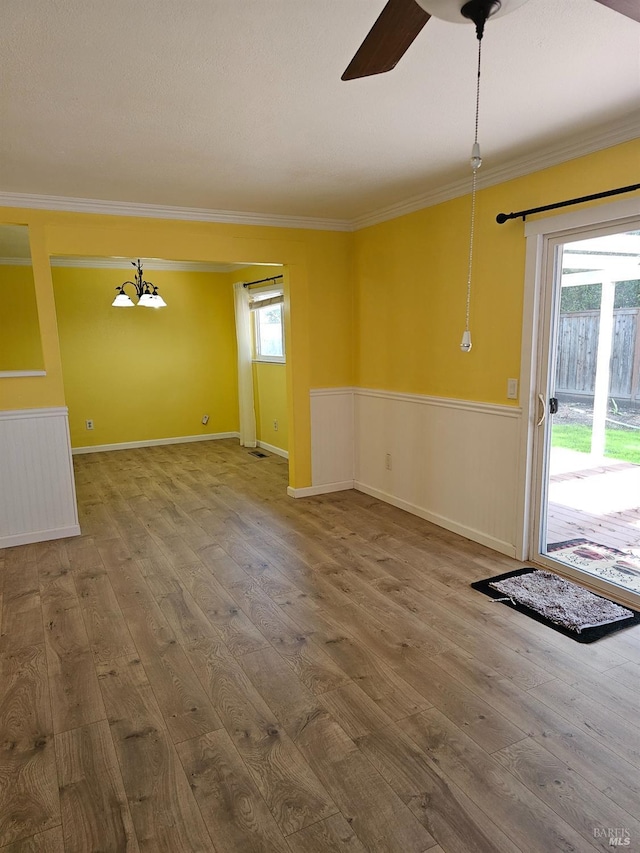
266	308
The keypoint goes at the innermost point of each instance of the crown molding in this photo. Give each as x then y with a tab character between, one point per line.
156	211
16	262
616	133
152	264
623	131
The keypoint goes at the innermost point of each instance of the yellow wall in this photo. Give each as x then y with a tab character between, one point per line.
317	275
143	374
270	399
20	347
411	276
41	391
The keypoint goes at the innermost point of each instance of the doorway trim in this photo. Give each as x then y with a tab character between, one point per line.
539	234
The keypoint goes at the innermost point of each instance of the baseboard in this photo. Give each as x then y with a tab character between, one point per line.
309	491
39	536
154	442
507	548
273	449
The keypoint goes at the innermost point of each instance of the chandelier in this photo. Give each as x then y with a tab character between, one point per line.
146	292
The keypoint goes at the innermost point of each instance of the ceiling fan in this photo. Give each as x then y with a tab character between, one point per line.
401	20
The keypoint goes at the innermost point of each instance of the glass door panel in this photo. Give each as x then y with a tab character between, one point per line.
590	511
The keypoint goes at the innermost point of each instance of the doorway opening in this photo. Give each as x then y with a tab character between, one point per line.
141	377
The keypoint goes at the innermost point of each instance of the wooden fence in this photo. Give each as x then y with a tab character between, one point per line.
578	349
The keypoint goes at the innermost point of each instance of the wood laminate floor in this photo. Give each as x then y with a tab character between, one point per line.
213	666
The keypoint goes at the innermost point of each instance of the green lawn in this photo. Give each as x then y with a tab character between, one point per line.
620	444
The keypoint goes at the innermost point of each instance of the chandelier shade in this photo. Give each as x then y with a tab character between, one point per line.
123	301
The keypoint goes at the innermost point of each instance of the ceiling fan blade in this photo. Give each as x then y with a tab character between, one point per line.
630	8
388	39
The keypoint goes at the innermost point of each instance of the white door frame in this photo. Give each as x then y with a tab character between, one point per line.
542	235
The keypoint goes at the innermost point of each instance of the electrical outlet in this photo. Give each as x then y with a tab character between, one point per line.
205	419
88	424
387	461
275	426
512	389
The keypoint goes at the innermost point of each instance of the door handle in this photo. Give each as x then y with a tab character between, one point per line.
543	410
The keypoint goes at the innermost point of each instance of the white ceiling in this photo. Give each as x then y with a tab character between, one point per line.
238	104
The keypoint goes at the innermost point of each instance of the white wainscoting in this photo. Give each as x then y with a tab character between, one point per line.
332	437
452	462
37	490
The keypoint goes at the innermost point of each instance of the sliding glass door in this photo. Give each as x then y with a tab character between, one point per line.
588	425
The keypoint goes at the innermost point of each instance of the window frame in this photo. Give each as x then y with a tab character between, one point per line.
264	295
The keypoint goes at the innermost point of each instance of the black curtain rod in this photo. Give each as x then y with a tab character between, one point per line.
260	280
502	217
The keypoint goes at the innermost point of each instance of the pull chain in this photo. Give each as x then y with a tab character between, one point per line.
476	162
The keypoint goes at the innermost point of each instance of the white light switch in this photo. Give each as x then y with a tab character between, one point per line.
512	389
